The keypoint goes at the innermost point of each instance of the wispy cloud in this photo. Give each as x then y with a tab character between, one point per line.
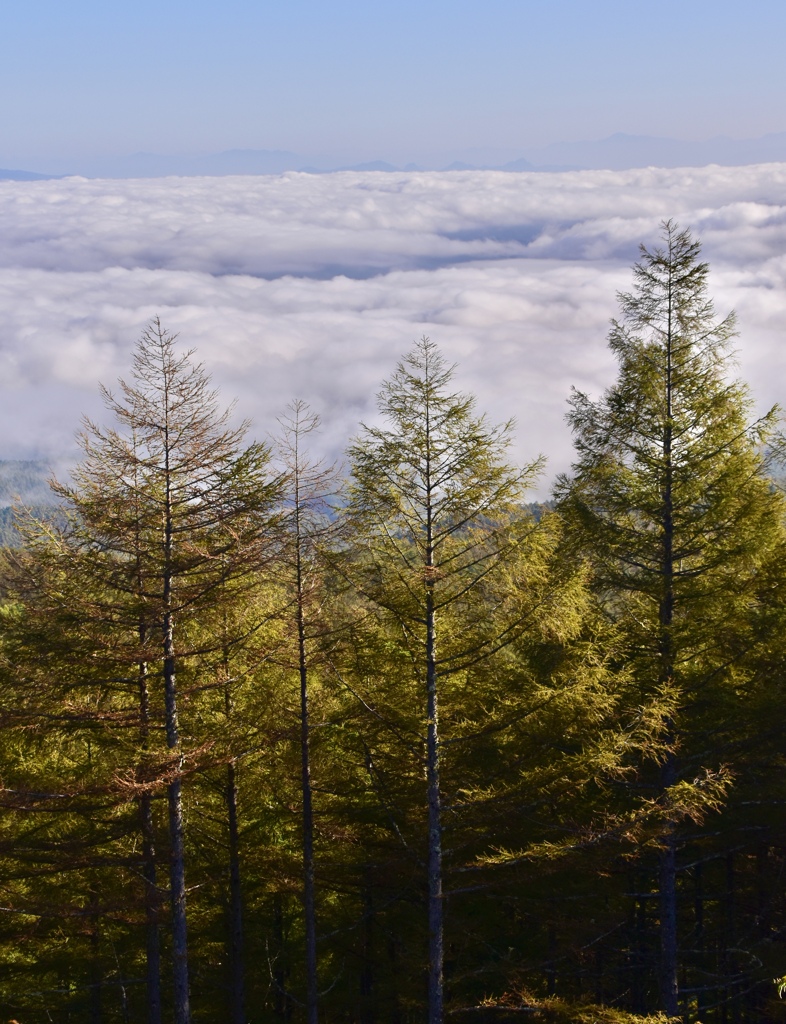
312	286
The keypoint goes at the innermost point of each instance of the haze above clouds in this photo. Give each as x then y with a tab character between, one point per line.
88	83
617	152
312	286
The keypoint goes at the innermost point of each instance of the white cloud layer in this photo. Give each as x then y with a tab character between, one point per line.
312	286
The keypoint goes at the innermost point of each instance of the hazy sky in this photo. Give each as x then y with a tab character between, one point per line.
363	79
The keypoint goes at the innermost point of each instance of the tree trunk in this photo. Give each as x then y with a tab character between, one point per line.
152	902
236	965
669	994
177	855
669	989
309	905
177	863
152	899
436	952
435	907
178	903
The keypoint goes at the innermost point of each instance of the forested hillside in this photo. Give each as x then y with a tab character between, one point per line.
402	746
22	483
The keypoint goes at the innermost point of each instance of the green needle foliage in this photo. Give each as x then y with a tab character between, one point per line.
446	553
671	503
165	527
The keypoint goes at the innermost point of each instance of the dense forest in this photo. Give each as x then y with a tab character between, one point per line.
393	745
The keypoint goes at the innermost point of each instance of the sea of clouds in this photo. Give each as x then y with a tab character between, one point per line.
312	286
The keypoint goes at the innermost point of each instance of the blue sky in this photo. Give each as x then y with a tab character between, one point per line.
376	79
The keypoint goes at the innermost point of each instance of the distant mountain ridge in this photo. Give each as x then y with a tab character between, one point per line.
7	175
25	481
616	152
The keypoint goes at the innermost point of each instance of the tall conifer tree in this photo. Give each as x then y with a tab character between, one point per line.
671	502
168	516
307	529
438	510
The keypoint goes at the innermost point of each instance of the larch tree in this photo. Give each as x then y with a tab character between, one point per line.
671	503
308	528
437	512
168	516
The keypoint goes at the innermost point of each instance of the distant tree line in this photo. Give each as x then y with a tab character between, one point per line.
398	747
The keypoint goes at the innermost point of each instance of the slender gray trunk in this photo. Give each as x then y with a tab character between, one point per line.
236	952
669	993
435	908
177	862
152	895
309	897
309	905
153	941
177	877
237	986
436	953
152	900
669	989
